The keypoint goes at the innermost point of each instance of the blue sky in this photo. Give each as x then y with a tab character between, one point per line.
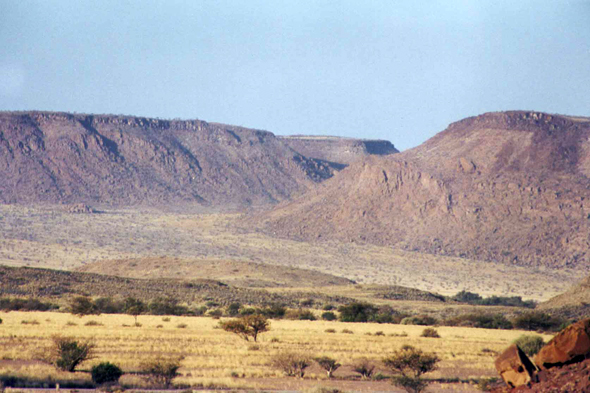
396	70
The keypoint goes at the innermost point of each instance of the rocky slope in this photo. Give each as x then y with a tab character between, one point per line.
508	187
120	160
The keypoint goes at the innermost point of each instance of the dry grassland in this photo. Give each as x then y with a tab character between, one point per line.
214	358
51	237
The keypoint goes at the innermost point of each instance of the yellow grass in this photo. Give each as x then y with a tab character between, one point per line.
214	358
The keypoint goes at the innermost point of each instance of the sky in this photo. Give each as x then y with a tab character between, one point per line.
395	70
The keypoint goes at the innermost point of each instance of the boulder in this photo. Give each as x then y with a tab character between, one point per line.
571	345
515	367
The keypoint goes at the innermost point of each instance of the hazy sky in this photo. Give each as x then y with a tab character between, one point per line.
396	70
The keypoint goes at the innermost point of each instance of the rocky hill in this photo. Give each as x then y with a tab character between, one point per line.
510	187
121	160
336	149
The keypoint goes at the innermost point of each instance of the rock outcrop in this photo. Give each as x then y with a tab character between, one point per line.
571	345
515	367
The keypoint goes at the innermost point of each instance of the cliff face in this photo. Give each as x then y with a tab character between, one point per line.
338	150
120	160
510	187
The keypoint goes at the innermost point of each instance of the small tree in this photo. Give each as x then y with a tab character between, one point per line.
134	307
247	327
364	367
292	364
410	363
161	372
67	353
328	364
83	305
106	373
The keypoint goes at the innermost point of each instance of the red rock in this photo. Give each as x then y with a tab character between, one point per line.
514	366
571	345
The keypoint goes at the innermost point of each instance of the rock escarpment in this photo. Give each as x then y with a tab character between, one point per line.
50	157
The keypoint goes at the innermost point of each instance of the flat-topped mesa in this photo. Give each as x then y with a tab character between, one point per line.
338	149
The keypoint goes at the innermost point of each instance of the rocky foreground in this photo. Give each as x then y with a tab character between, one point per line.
562	365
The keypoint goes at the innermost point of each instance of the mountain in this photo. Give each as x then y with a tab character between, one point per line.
48	157
509	186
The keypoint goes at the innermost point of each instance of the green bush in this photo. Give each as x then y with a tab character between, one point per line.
530	344
302	315
357	312
537	320
329	316
105	373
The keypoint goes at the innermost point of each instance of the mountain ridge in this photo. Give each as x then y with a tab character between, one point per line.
58	157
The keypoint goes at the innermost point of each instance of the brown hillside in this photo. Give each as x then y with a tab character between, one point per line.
235	273
508	187
574	303
120	160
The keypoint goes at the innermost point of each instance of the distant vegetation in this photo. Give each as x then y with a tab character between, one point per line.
476	299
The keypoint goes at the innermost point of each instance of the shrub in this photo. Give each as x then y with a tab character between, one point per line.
328	307
328	364
292	364
302	315
247	327
182	325
161	372
105	373
328	316
83	305
330	331
409	364
0	320
233	309
537	320
276	311
430	332
346	331
166	306
364	367
67	353
106	305
422	320
357	312
530	344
